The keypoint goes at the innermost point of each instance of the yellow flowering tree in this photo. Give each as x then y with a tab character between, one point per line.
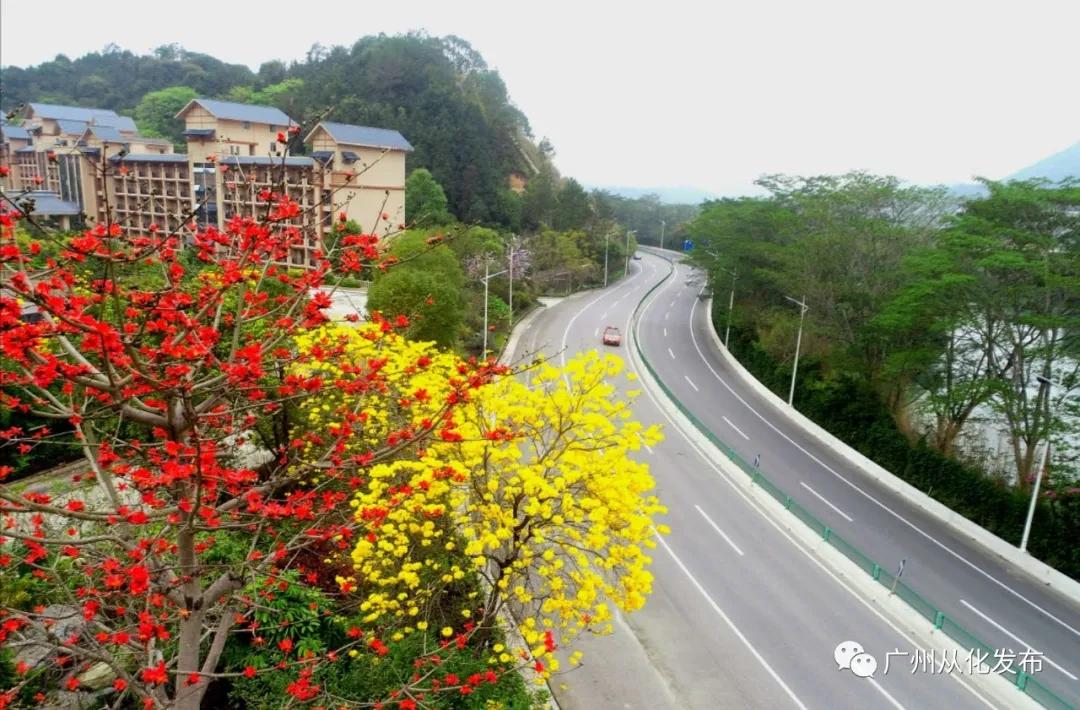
531	487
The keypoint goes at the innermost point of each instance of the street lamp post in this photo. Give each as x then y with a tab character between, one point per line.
487	277
1043	382
626	269
607	240
731	298
798	344
511	298
663	226
730	305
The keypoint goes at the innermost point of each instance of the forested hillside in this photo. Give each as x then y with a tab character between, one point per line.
438	92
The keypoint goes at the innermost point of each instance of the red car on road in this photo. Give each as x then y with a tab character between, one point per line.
612	336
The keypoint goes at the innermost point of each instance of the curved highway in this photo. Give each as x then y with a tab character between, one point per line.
742	615
1001	605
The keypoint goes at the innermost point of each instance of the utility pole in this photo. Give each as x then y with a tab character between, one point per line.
1043	382
487	277
626	269
803	308
663	226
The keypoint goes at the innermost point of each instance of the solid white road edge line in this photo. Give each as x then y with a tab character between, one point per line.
728	478
884	507
888	697
717	529
1019	640
826	502
735	427
730	623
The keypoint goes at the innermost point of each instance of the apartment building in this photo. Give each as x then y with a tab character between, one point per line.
95	159
366	172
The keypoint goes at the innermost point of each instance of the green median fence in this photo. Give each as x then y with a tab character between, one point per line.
1024	682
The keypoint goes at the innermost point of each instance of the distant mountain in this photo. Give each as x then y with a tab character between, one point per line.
967	190
668	195
1057	167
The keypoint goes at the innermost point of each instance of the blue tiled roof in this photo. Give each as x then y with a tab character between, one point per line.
15	132
151	158
323	156
241	112
45	203
73	113
120	123
365	136
108	133
291	161
75	128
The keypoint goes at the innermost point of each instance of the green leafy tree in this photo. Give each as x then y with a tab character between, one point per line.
434	308
540	198
558	264
285	95
1024	246
573	209
426	287
425	201
507	209
156	113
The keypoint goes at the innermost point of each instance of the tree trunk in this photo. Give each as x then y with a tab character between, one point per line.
189	697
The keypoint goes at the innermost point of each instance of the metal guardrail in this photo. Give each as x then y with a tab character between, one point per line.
1024	682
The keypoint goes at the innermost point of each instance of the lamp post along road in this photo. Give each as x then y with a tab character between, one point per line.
730	308
663	226
798	344
1043	382
626	269
607	240
731	298
487	277
511	299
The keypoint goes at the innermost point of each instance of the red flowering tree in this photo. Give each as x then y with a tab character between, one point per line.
169	361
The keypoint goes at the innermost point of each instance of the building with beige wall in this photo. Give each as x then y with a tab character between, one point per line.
96	160
222	128
366	172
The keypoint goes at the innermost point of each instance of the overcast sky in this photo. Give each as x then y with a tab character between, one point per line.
704	94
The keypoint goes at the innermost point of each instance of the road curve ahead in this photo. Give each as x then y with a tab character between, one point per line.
999	604
742	616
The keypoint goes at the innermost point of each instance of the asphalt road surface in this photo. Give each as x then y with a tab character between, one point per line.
741	616
998	603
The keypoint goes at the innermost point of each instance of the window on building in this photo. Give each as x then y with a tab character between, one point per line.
247	125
